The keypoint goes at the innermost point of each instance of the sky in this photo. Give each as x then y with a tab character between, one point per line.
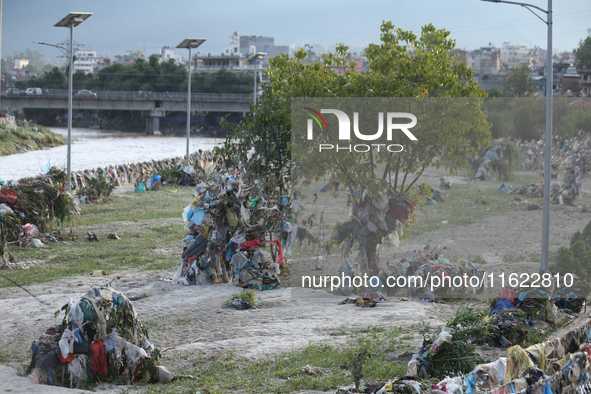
120	25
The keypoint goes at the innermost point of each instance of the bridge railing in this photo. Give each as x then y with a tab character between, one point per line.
153	96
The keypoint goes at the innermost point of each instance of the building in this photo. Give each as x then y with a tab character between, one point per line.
513	56
218	60
571	82
485	61
130	57
461	54
246	45
13	63
168	54
88	61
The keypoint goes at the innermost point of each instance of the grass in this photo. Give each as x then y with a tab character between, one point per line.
30	138
8	357
166	203
226	372
78	258
509	258
459	208
477	259
133	250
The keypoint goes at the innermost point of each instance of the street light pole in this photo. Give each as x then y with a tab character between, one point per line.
70	87
189	106
189	43
257	56
548	148
548	140
255	83
71	20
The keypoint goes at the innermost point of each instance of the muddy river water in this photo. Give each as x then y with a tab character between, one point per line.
92	148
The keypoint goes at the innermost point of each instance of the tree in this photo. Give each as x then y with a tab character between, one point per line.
54	79
154	61
404	66
519	82
496	91
32	68
79	79
583	54
35	57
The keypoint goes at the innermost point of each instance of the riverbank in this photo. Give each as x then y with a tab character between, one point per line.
94	148
297	340
20	138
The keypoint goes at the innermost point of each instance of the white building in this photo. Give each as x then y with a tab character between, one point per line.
88	61
484	61
167	54
513	56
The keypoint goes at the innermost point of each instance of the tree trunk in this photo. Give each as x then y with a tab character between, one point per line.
370	251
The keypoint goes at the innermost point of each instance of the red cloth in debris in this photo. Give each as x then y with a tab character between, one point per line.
508	294
248	245
8	196
98	355
279	250
68	359
399	212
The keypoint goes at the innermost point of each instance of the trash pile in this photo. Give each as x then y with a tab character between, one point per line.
532	153
500	158
100	338
428	267
27	209
448	363
228	224
533	190
574	152
373	220
90	186
571	186
514	313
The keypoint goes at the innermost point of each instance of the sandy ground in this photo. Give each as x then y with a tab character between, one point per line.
190	320
516	234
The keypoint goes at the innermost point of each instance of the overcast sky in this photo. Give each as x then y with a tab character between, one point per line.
119	25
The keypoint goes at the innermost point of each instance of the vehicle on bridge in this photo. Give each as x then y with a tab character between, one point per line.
14	92
33	92
85	94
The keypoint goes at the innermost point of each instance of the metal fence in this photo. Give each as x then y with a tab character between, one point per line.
152	96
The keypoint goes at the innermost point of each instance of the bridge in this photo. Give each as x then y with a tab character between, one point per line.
152	104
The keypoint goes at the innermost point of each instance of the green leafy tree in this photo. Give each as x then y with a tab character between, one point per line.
54	79
32	68
519	83
578	119
496	91
564	262
528	118
402	65
35	57
167	77
583	54
154	62
79	79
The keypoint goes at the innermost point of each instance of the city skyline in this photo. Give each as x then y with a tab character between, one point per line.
117	27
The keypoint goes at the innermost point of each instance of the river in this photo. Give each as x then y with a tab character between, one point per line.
92	148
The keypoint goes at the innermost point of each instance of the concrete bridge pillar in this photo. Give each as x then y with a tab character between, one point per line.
153	121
